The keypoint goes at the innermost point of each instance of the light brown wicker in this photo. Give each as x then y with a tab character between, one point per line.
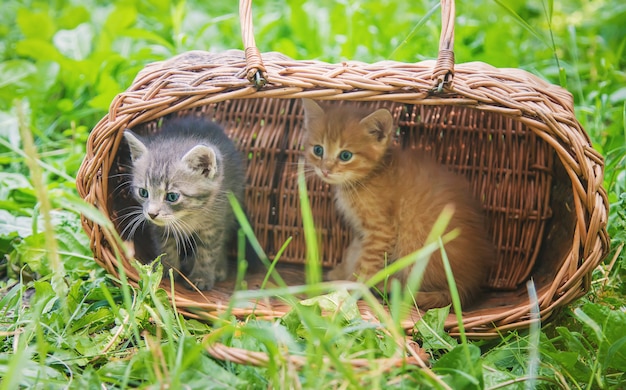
514	136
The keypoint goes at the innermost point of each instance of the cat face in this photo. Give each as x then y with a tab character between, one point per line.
344	144
172	190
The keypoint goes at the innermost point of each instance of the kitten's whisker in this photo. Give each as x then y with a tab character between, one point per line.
184	236
139	222
362	186
133	225
350	190
127	218
130	175
181	235
121	186
129	210
191	235
166	234
178	237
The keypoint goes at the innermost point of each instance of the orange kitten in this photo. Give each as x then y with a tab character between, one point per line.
390	198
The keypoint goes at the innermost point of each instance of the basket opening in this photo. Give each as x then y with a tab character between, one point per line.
511	170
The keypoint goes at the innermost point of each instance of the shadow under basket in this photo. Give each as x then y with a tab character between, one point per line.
513	136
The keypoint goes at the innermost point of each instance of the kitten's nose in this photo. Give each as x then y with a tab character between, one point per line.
325	172
153	214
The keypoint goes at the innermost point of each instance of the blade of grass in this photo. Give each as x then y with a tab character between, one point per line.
418	259
415	28
254	242
112	236
454	293
597	330
456	303
534	336
522	22
548	9
58	271
313	268
38	161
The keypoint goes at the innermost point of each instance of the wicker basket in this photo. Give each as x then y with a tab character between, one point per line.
514	136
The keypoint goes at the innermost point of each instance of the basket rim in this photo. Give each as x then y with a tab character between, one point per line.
199	78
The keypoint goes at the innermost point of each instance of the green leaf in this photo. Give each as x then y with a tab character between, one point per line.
151	37
75	249
572	341
14	71
616	355
29	373
9	223
38	49
9	182
273	335
43	79
32	251
150	275
25	79
72	202
457	372
431	330
88	379
339	301
121	18
608	328
35	24
10	131
205	373
107	89
11	299
72	16
75	44
91	344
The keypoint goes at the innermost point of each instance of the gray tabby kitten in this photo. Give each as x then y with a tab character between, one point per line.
180	177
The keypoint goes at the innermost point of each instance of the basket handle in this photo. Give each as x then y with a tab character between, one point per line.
255	70
443	73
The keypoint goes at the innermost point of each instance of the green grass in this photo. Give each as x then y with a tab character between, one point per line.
64	323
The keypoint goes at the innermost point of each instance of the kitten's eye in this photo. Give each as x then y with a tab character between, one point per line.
345	155
318	150
143	192
172	196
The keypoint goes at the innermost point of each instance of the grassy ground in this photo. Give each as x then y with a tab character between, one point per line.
65	324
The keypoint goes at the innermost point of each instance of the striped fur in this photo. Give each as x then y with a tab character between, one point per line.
390	199
181	177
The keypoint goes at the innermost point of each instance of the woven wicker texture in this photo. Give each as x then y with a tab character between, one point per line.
514	136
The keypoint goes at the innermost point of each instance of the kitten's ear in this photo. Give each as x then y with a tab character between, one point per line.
379	124
137	148
202	158
312	111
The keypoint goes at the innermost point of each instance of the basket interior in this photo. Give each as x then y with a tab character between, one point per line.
511	171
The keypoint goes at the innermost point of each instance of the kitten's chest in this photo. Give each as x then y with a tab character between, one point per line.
356	206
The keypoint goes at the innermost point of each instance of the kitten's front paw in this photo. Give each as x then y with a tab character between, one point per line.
205	274
204	283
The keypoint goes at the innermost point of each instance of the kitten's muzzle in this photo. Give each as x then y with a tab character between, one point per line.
153	217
